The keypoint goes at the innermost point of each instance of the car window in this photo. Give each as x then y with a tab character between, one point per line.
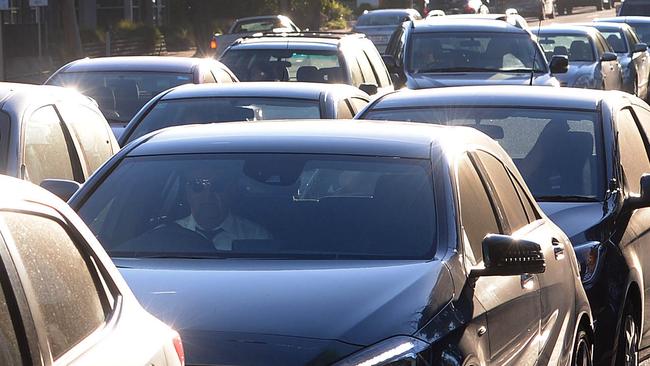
91	131
642	30
576	47
257	25
377	19
344	110
632	8
366	70
507	194
378	66
603	45
222	76
616	40
478	216
358	104
5	125
634	157
529	207
65	291
396	43
47	150
9	347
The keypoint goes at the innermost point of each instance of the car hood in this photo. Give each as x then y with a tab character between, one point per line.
306	310
574	218
576	69
437	80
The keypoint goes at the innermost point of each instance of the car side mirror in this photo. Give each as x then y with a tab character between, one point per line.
370	89
608	56
643	199
391	63
640	47
505	255
559	64
62	188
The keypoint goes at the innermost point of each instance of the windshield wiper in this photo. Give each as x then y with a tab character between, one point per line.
566	198
519	70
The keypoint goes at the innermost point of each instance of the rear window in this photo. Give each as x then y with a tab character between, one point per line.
265	25
290	206
285	65
178	112
577	48
371	19
616	40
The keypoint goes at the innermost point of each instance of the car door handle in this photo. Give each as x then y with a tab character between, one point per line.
558	249
527	281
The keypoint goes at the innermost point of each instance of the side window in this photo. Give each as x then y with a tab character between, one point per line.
47	150
92	131
358	104
366	69
529	207
343	110
601	45
396	42
378	66
507	194
66	293
634	157
355	69
208	78
9	349
222	76
477	213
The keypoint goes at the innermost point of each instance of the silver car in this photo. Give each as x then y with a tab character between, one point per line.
632	55
379	25
592	62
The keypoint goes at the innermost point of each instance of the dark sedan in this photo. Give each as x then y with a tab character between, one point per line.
379	25
312	243
122	85
584	155
251	101
593	63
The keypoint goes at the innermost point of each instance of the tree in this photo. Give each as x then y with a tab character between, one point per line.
71	38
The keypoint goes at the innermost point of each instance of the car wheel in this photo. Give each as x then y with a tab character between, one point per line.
628	340
582	349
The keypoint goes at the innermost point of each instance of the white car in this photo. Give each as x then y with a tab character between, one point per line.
62	301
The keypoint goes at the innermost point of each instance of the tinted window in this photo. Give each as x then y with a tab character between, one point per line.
92	131
5	124
366	69
468	51
642	31
205	110
266	205
505	190
634	158
63	287
477	214
629	8
285	65
9	349
121	94
47	153
558	152
395	44
577	48
344	111
616	40
531	211
375	19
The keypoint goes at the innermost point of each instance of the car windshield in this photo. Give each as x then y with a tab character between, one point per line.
120	95
177	112
631	8
288	206
616	39
258	25
642	31
371	19
285	65
576	47
558	152
473	52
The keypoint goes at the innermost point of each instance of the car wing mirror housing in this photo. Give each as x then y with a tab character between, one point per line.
559	64
62	188
643	199
370	89
505	255
608	56
640	47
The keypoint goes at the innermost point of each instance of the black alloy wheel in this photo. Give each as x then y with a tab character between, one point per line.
582	349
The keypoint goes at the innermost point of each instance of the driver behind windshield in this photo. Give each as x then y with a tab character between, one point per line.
210	193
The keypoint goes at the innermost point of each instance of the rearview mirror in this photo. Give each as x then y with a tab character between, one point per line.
62	188
608	56
640	47
559	64
643	199
370	89
506	256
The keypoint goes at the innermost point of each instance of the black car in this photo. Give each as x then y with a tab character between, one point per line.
444	51
634	8
252	101
122	85
379	25
315	57
310	243
584	155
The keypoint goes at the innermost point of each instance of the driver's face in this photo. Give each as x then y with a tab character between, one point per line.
207	192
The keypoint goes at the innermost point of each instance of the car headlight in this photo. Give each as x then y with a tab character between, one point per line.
583	81
588	255
397	351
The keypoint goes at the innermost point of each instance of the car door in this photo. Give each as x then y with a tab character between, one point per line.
512	303
610	72
556	284
641	62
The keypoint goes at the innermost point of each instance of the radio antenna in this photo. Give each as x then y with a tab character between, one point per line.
532	68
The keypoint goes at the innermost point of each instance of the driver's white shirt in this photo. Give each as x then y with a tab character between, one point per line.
234	228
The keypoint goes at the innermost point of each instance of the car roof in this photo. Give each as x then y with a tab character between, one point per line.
571	29
607	26
325	40
297	90
345	137
19	96
136	63
626	19
497	96
451	24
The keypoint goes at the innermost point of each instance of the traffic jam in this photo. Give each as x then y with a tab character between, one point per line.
458	182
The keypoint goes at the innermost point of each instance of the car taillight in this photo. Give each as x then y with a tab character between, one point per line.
213	44
178	346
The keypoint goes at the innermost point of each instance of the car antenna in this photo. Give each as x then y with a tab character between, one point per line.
532	68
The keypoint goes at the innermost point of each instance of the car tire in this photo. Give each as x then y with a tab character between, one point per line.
627	353
582	349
